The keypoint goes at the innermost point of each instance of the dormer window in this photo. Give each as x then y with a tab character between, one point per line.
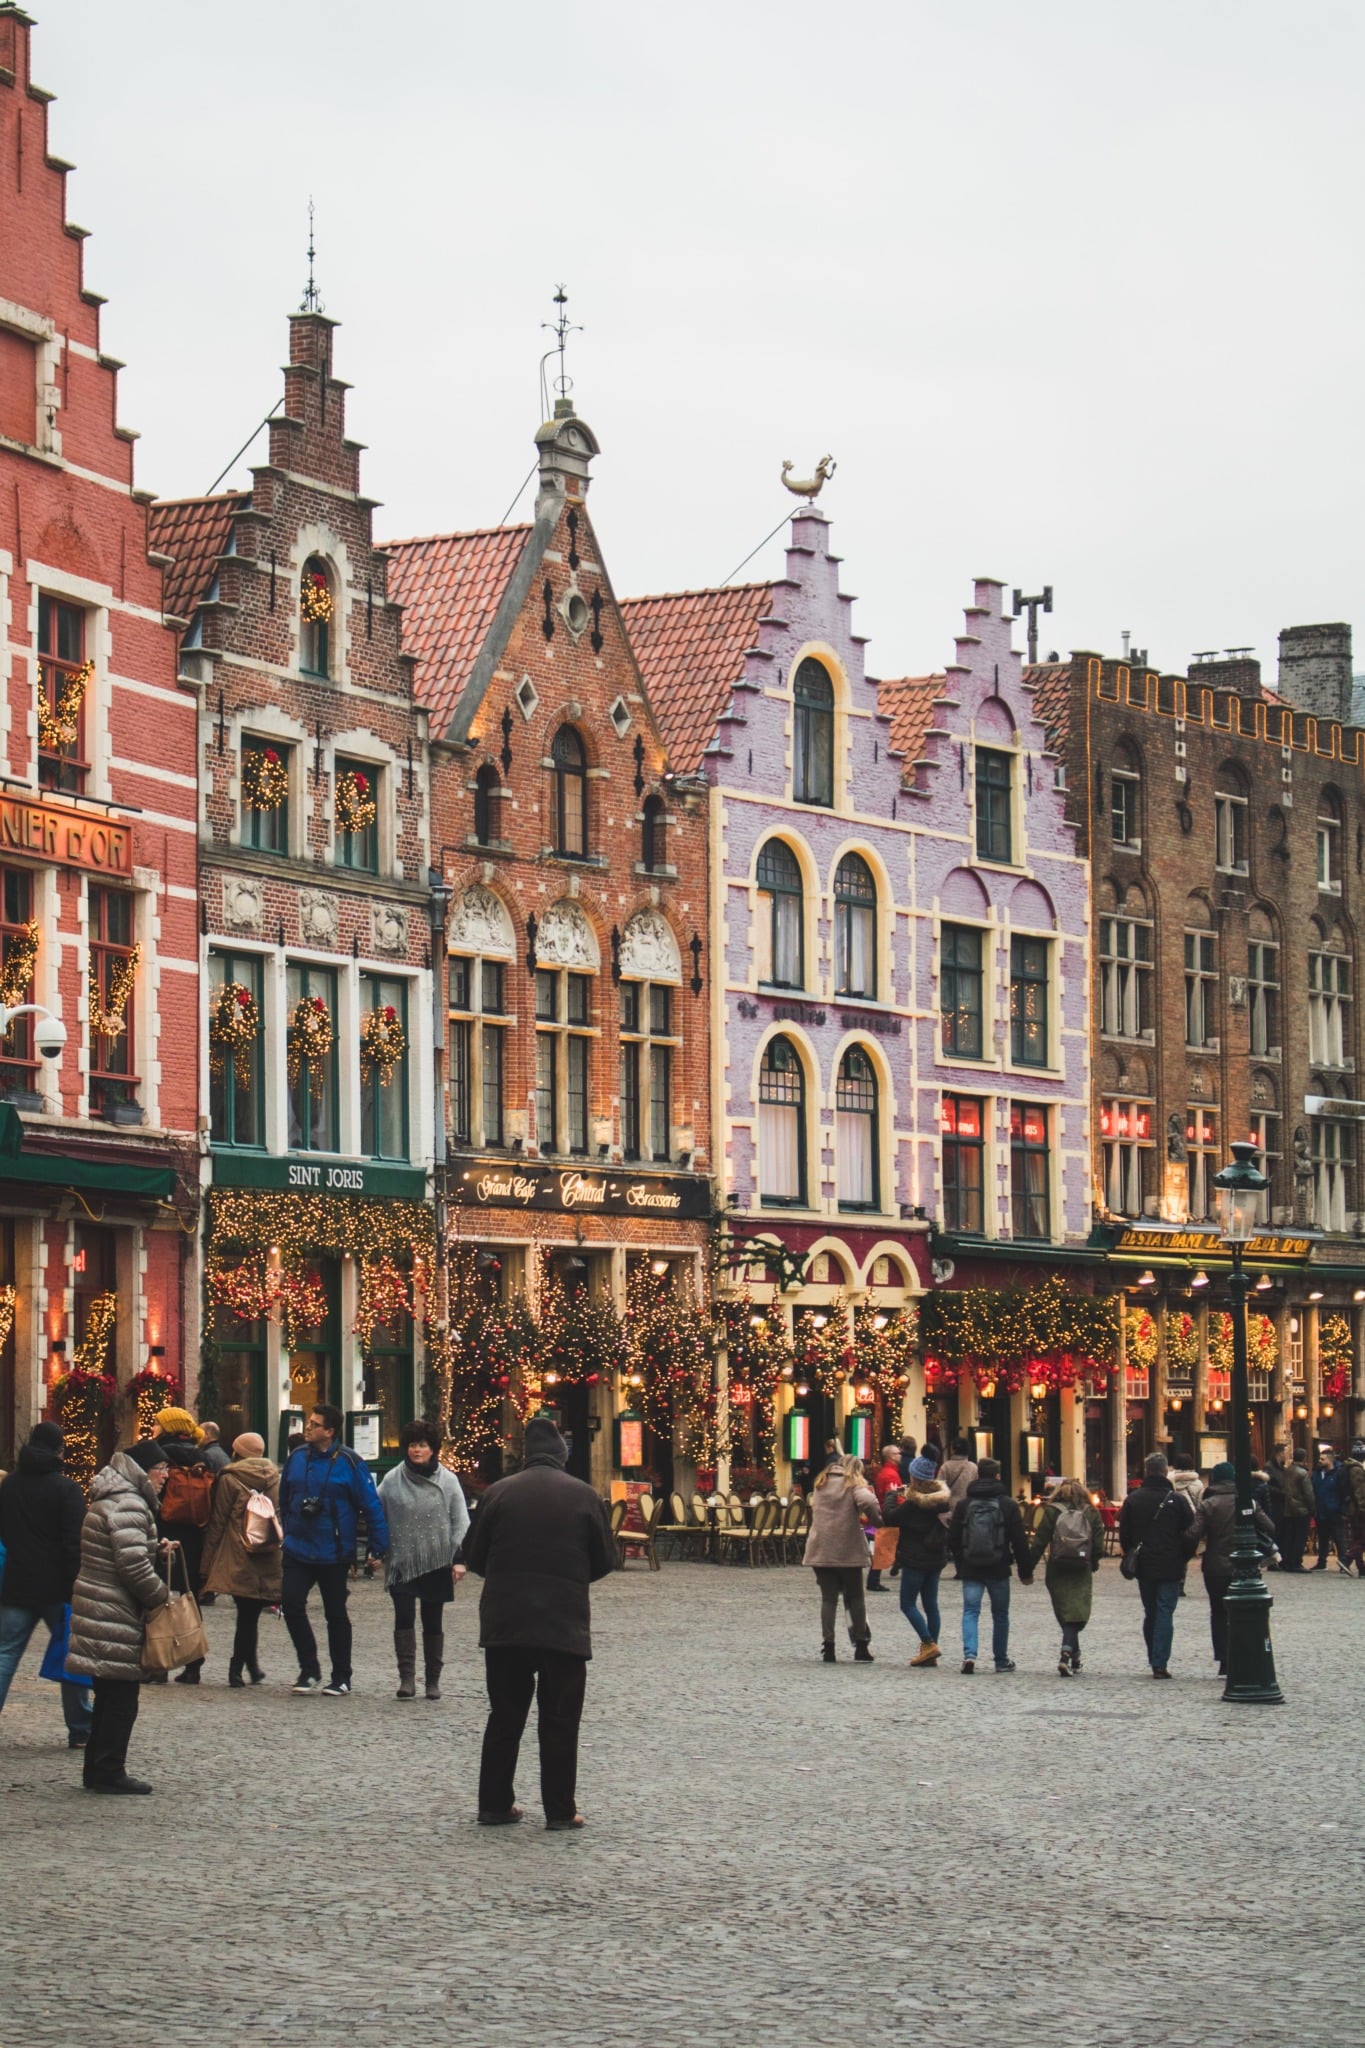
813	750
317	606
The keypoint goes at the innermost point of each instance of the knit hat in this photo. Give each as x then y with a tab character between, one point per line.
544	1441
45	1436
923	1468
178	1422
147	1454
246	1444
1222	1472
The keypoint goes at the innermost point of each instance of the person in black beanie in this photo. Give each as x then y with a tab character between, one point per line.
41	1511
539	1541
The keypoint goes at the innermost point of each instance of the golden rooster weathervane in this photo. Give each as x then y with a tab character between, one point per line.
810	487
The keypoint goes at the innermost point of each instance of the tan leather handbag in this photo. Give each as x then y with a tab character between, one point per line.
174	1634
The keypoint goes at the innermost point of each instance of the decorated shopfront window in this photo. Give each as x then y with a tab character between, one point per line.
19	944
855	929
236	1050
310	1057
114	960
65	676
1030	961
962	992
266	773
856	1130
964	1168
1030	1171
780	950
383	1066
1202	1161
356	819
570	760
1128	1155
813	753
782	1126
647	1045
317	611
563	1059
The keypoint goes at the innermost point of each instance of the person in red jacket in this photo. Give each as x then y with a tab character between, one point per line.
885	1480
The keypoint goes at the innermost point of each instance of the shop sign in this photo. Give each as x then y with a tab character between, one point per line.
1207	1243
75	839
356	1177
502	1186
870	1020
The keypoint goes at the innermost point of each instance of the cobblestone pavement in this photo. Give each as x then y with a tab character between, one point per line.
780	1852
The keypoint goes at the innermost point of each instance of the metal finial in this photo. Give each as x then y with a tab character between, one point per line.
311	301
561	327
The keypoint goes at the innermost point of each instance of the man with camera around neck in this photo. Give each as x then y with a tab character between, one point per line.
326	1492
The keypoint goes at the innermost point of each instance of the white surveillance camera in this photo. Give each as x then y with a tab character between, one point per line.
50	1037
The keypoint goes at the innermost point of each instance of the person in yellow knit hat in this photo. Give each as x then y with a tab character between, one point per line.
186	1501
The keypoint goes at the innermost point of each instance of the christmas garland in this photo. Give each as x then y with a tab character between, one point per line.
315	598
1336	1358
8	1302
92	1353
356	809
820	1345
384	1298
300	1302
234	1023
382	1042
247	1290
21	955
760	1356
1182	1345
256	1218
265	779
487	1358
80	1401
1016	1336
106	1019
310	1036
1140	1340
883	1341
59	724
1263	1346
149	1392
580	1335
666	1347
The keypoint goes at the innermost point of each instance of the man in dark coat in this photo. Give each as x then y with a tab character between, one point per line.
539	1540
41	1511
1155	1521
986	1531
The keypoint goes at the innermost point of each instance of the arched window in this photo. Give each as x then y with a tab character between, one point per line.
1125	797
571	793
781	1127
813	768
779	919
654	834
855	928
856	1110
317	605
487	789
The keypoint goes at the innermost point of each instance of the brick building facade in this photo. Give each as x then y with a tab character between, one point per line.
1225	823
576	1027
315	1045
98	1169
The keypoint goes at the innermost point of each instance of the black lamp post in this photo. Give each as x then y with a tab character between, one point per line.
1251	1660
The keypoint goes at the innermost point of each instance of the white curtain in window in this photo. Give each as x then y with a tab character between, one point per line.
787	940
779	1151
855	1156
857	974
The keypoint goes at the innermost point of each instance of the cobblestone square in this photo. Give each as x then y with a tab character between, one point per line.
778	1851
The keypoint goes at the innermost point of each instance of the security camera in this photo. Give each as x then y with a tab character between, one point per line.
50	1037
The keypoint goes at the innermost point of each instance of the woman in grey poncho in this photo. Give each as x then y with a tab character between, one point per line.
427	1517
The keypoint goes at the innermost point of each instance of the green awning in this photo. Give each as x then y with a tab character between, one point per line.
11	1131
60	1170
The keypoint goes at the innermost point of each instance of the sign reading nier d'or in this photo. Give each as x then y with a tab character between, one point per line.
604	1194
77	839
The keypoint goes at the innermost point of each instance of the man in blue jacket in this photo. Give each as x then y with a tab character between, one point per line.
326	1491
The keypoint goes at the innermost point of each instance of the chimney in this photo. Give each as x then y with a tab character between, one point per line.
1237	670
567	446
1315	670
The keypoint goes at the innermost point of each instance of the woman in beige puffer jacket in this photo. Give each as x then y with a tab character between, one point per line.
116	1588
836	1550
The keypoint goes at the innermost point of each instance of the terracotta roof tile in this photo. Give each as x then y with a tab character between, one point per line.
450	586
690	646
1051	681
908	702
194	532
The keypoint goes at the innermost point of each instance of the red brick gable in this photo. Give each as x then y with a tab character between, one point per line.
192	533
691	646
450	586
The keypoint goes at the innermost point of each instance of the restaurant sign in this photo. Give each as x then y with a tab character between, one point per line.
75	839
1206	1244
504	1186
315	1176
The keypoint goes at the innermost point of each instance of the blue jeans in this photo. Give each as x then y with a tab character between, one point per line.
973	1592
16	1626
1158	1618
914	1585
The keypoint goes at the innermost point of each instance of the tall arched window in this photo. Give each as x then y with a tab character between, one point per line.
781	1127
780	963
317	605
654	834
571	793
487	789
856	1112
813	767
855	928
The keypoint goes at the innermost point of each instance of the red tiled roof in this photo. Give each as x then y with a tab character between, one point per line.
450	586
193	532
1051	682
908	702
691	646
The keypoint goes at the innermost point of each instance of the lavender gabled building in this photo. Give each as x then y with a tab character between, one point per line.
845	857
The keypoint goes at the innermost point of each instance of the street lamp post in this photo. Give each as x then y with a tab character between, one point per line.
1251	1660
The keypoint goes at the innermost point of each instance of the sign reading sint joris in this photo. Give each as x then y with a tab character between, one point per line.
517	1187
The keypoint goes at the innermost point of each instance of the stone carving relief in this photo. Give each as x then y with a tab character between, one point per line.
479	923
564	938
389	928
243	903
318	917
649	951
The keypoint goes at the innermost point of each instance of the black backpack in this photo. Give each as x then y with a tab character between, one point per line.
983	1537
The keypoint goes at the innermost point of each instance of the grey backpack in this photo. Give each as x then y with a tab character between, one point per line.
1073	1539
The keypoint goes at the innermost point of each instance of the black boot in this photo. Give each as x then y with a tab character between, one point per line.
862	1653
433	1650
827	1653
405	1650
235	1678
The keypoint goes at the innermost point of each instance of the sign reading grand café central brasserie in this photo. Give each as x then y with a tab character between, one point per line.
577	1193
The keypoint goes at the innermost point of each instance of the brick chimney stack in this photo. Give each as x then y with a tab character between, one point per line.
1239	672
1315	669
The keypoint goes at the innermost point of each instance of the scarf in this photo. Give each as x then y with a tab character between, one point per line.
423	1510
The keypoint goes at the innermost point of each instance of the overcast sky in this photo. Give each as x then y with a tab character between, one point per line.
1070	288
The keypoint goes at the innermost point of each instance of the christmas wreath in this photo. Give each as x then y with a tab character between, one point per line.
382	1043
60	723
1182	1346
309	1035
234	1022
21	954
315	598
265	778
246	1291
1335	1358
356	809
106	1019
